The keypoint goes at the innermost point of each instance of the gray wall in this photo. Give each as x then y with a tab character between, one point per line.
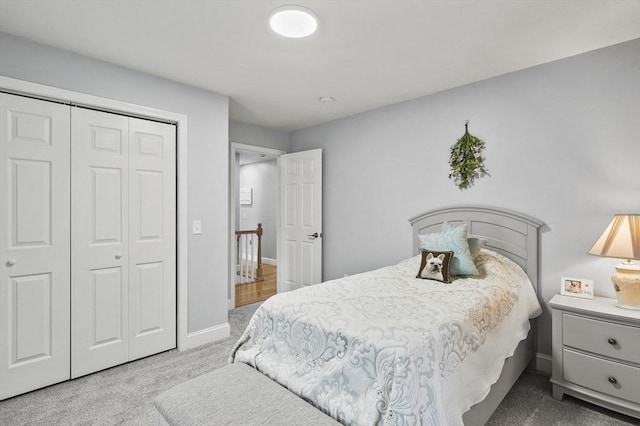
562	145
251	134
262	177
208	152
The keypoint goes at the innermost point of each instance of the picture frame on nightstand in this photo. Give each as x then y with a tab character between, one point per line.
576	287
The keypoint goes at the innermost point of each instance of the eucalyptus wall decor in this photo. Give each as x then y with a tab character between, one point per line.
466	160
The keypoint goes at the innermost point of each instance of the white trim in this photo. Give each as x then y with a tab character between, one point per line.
182	228
269	261
543	363
233	184
208	335
279	271
180	120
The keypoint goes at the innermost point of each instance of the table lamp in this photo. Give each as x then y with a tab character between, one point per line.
621	239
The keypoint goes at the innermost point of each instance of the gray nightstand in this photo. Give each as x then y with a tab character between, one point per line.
596	352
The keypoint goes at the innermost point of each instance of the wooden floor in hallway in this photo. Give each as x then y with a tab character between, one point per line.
258	291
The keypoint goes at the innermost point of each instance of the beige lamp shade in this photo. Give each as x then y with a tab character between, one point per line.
621	239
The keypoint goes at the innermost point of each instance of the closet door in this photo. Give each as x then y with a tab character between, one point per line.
34	244
99	240
152	242
123	239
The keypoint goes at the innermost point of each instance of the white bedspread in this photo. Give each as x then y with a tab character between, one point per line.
378	348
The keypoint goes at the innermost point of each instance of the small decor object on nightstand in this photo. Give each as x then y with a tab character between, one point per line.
621	239
578	287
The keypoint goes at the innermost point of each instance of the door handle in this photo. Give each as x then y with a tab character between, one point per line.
314	235
118	255
12	261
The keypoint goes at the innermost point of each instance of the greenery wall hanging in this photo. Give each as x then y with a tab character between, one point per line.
466	160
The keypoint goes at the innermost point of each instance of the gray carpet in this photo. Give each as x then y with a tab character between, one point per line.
123	395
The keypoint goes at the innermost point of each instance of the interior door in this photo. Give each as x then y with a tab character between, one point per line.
152	243
123	239
34	244
300	259
99	240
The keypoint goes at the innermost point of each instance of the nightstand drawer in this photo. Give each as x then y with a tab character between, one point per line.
598	374
601	337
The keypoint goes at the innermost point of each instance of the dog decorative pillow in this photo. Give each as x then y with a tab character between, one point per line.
435	265
452	238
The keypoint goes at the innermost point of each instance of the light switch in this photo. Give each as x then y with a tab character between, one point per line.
197	227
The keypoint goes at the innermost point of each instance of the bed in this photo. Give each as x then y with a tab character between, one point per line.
385	347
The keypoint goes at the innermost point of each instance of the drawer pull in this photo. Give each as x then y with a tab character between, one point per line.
612	380
612	341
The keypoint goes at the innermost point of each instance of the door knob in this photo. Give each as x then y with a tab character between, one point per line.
12	261
314	235
118	255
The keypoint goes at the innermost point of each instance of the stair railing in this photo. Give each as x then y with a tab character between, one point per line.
248	261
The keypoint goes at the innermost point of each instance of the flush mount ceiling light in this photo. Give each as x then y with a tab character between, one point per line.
293	21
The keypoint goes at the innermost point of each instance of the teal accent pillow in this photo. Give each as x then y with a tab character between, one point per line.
452	239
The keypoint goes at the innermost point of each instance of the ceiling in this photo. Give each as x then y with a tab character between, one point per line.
251	157
366	54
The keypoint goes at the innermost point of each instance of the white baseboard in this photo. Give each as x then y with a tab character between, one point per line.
543	364
270	261
208	335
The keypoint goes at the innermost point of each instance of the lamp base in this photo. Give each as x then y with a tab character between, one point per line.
626	281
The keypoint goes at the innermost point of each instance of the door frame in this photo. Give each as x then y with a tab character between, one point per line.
40	91
235	147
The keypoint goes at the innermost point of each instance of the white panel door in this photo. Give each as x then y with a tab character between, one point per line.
99	240
300	260
152	243
34	244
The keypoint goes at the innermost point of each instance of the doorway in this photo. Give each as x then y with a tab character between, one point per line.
254	208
